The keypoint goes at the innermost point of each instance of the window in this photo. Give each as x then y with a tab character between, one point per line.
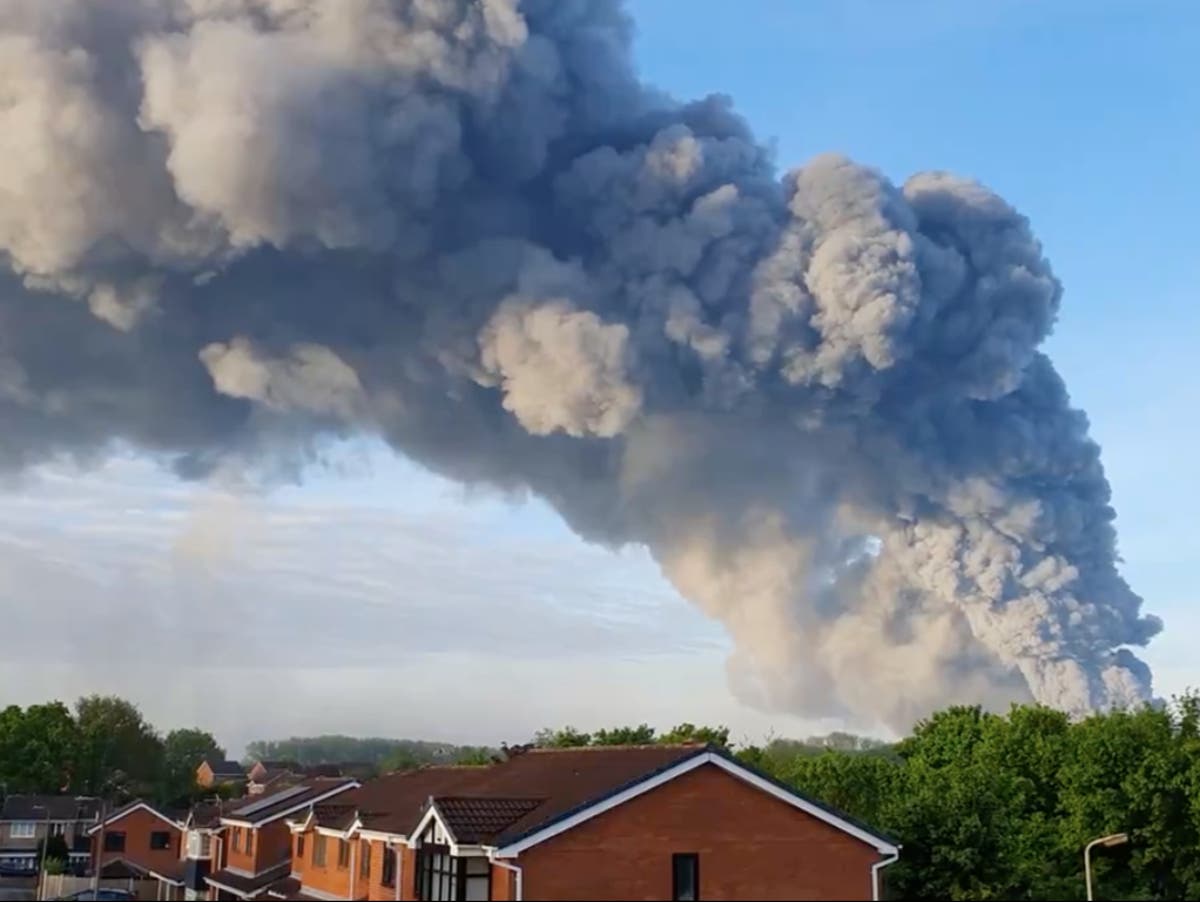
437	874
343	854
476	876
159	840
389	867
364	864
685	877
58	828
237	839
114	842
299	846
249	842
23	830
319	851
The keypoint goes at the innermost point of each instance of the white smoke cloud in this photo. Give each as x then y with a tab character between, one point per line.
818	400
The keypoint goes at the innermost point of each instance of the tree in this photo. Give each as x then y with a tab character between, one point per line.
643	734
567	737
688	732
120	753
50	850
183	751
38	748
474	755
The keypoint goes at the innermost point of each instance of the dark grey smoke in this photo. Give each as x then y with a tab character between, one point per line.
230	227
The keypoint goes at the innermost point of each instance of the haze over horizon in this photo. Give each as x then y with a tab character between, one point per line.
373	598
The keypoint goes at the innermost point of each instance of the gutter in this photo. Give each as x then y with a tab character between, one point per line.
875	873
509	867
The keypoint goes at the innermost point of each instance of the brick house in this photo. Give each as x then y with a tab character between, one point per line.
25	820
135	840
635	822
255	843
201	851
216	772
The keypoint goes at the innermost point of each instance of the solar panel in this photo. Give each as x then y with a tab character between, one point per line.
270	800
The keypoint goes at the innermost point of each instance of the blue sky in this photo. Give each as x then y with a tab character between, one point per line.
435	608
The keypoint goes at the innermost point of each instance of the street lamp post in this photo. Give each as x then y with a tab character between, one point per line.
1107	842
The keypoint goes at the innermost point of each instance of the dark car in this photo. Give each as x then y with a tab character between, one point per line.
112	894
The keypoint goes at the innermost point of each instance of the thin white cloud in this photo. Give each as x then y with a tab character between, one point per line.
416	609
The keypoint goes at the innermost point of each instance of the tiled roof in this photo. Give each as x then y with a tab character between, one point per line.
222	768
246	886
558	780
208	814
476	820
335	815
49	807
122	869
288	888
173	816
569	779
394	803
172	873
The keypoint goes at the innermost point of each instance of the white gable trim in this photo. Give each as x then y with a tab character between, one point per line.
431	815
301	826
380	836
686	766
125	812
248	822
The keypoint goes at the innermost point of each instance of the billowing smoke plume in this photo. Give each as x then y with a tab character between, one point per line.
230	227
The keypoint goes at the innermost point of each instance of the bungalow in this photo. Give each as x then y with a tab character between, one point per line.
26	820
255	841
636	822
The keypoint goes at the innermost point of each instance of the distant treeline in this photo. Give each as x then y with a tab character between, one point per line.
402	754
381	754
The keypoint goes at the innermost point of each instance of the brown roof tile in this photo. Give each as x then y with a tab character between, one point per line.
521	793
476	820
394	803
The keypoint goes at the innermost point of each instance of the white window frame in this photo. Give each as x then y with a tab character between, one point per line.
23	830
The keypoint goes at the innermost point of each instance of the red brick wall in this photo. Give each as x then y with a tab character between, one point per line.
328	879
374	888
408	873
137	827
751	845
271	844
503	884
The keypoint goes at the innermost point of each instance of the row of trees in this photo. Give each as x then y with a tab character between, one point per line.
103	747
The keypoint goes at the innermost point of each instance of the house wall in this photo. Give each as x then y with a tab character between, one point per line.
327	879
271	845
137	826
405	868
336	881
750	845
504	884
